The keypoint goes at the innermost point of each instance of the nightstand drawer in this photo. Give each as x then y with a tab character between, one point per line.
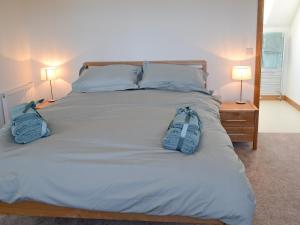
240	134
243	137
239	130
233	119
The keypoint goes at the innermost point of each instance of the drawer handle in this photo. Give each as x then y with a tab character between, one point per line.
235	120
237	134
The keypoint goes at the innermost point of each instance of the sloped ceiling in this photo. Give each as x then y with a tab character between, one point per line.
280	13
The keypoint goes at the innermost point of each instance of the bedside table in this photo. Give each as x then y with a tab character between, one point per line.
43	105
240	121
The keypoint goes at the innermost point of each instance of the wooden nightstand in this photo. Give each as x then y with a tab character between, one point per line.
240	121
43	105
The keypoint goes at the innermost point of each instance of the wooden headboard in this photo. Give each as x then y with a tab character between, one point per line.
199	63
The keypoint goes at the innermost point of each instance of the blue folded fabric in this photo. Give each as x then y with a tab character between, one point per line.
179	120
24	123
184	132
27	124
33	134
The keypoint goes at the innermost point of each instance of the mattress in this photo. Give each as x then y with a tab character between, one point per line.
105	154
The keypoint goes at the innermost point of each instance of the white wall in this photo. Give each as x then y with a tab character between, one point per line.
279	13
15	60
69	32
293	84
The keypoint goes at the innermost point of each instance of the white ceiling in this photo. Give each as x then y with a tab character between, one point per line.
280	13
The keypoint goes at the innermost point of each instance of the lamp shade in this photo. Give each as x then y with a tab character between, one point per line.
241	73
48	73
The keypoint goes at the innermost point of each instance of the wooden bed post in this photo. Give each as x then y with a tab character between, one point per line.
258	58
259	42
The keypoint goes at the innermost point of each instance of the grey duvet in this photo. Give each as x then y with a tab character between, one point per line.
105	154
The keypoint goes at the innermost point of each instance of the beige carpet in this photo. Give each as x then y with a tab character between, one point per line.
273	170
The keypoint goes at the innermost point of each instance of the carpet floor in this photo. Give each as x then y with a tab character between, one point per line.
273	170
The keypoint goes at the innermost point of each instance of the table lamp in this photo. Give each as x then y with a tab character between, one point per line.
241	73
49	74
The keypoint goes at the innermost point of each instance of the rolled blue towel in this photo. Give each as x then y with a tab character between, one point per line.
24	123
184	136
33	134
180	117
189	144
27	124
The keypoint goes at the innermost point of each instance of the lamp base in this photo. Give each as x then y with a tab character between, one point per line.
51	100
240	102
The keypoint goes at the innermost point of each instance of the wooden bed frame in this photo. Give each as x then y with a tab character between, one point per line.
201	63
31	208
36	209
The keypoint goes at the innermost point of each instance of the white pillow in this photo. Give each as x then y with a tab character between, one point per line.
107	78
173	77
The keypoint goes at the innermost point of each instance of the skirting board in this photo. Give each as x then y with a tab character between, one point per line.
271	97
292	102
283	97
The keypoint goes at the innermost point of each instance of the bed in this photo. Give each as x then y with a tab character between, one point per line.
105	161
